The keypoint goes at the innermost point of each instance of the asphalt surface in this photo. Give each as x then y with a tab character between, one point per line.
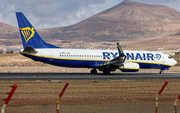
81	76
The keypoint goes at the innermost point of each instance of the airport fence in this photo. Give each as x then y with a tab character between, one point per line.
91	96
91	107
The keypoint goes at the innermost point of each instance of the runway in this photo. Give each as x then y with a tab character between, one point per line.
81	76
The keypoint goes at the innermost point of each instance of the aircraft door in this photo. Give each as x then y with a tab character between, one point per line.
51	56
163	59
155	59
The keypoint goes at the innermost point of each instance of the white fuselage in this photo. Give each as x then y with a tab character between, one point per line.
93	58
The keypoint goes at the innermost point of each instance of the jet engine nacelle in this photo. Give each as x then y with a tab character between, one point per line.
129	67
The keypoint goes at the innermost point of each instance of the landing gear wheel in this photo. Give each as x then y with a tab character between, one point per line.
93	71
106	72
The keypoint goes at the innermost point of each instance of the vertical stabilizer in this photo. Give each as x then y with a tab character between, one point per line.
29	35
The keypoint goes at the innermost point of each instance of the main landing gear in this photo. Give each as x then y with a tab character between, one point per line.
93	71
106	72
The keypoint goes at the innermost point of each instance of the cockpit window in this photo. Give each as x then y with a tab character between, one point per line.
169	57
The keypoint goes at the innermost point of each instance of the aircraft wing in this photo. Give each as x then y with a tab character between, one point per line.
118	60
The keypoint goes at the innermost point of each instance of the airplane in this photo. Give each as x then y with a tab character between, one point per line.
103	60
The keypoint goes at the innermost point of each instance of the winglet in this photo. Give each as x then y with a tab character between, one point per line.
121	53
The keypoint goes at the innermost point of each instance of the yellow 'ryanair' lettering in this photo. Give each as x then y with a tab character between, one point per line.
27	33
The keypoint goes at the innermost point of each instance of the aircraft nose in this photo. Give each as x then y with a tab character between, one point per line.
174	62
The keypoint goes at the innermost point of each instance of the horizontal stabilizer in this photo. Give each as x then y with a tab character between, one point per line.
29	49
13	49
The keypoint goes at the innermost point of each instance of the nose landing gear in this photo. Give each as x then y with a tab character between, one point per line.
161	71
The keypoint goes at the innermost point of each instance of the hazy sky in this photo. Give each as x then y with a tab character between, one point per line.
58	13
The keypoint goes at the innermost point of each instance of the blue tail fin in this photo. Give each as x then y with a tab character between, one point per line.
29	35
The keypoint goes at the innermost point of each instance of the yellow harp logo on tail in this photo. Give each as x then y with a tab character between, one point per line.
27	33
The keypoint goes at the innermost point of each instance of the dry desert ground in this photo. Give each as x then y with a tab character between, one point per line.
91	96
83	96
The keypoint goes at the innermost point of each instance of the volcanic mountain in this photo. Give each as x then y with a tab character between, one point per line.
126	20
5	28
